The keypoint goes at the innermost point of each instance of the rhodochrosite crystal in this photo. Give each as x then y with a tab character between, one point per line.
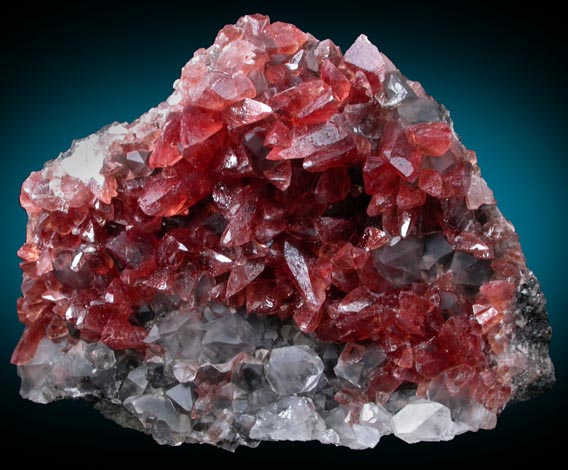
295	245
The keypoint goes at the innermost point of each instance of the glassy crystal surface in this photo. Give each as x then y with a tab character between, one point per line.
295	245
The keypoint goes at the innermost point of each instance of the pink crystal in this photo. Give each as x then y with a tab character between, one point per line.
287	179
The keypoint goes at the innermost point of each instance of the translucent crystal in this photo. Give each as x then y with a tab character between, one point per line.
293	369
294	245
292	418
423	420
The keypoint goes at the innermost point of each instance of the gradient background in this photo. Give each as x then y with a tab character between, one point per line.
67	72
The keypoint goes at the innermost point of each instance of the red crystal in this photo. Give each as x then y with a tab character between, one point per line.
431	138
293	181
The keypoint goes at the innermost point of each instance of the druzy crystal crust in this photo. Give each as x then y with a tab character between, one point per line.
294	246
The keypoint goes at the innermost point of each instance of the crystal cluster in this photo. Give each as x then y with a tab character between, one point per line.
295	245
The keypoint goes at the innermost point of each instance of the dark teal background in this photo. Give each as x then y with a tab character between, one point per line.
67	72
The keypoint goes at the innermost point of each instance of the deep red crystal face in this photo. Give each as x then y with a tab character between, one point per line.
291	180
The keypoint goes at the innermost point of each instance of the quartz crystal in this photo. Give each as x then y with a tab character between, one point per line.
295	245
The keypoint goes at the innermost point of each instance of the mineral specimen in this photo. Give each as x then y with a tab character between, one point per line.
295	245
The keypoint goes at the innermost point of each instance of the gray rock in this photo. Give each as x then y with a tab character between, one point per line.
530	341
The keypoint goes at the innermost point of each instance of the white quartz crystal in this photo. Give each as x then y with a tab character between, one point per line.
423	420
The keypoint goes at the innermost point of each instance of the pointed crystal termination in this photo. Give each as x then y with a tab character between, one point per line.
294	246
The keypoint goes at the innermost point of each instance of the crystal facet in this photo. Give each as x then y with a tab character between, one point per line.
294	246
